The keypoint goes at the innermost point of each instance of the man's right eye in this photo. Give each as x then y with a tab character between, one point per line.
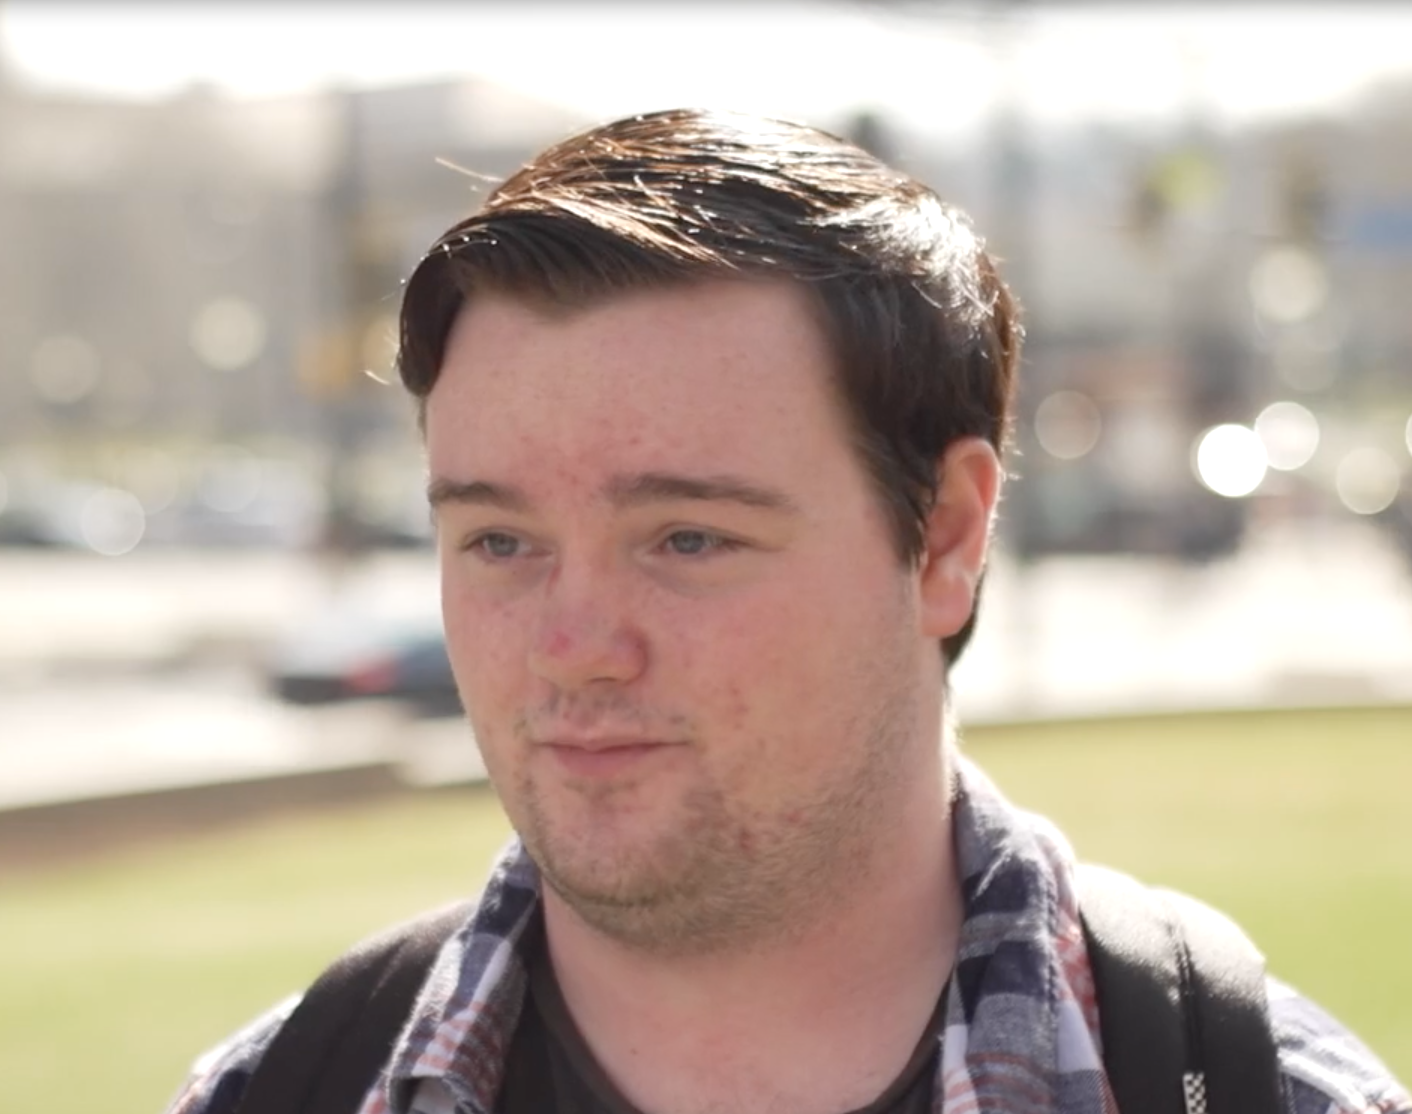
498	547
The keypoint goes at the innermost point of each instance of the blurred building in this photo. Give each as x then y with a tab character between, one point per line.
203	269
1176	279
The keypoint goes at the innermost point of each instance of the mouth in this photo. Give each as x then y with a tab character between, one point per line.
604	758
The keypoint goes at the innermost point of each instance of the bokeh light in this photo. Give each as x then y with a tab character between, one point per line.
1230	460
1067	425
112	522
1288	284
1368	480
1289	433
228	333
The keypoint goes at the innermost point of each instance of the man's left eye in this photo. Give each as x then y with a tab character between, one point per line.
693	543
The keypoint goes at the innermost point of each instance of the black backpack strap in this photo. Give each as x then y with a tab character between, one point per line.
328	1053
1181	1001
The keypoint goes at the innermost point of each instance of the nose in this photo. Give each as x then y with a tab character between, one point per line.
585	635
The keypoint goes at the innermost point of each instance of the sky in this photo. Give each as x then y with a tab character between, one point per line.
931	65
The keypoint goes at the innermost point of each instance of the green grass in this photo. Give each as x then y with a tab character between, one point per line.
114	973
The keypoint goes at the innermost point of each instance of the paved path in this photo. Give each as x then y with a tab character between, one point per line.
1298	617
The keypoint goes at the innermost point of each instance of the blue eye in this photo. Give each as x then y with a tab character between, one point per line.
498	546
693	543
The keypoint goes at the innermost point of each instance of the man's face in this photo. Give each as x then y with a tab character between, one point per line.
689	650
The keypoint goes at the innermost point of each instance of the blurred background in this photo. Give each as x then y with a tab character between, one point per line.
218	603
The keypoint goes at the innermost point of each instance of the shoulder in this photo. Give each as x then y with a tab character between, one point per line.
375	982
1324	1068
218	1078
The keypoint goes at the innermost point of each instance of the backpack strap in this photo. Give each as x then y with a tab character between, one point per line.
1181	997
327	1055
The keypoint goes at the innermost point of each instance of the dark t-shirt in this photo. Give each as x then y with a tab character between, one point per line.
550	1069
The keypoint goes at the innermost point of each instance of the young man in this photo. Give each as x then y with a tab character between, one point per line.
714	411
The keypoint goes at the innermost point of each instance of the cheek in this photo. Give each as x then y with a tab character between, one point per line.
742	665
485	641
788	668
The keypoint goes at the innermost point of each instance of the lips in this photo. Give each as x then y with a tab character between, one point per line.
595	744
598	758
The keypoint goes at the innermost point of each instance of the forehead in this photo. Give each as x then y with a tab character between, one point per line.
705	368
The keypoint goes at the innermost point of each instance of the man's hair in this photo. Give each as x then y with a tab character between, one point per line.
924	334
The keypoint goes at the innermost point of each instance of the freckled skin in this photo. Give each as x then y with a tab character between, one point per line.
790	674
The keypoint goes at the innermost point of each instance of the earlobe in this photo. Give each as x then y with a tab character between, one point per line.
958	534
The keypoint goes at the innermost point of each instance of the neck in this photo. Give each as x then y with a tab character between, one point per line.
821	1022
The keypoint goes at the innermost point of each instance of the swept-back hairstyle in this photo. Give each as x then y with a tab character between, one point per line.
924	334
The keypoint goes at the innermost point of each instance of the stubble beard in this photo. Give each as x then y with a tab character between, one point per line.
722	879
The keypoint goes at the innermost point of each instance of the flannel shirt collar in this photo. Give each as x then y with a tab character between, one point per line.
1020	1019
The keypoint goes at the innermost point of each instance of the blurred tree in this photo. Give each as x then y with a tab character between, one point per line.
1304	198
325	363
870	130
1177	181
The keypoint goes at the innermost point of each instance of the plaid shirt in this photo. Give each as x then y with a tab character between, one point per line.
1021	1032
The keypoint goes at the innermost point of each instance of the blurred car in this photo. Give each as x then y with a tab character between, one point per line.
1076	512
1397	521
30	527
347	655
48	515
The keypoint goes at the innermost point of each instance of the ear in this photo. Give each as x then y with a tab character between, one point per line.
958	534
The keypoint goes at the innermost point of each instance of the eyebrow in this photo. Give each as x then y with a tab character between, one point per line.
663	487
475	493
622	491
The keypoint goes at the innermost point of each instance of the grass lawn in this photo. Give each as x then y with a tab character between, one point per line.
115	972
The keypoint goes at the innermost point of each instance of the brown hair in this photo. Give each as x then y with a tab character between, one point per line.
925	334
